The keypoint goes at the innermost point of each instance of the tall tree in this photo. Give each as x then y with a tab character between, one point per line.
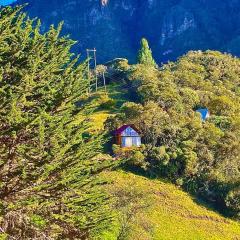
49	185
145	54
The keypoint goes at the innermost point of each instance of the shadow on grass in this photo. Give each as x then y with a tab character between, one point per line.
214	206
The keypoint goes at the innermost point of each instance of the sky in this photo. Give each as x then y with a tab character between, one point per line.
6	2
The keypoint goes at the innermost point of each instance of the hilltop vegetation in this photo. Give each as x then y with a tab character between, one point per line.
201	156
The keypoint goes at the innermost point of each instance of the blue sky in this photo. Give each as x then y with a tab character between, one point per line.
6	2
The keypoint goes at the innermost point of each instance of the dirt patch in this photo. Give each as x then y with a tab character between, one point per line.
205	217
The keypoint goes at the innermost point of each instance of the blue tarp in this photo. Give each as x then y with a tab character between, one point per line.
204	113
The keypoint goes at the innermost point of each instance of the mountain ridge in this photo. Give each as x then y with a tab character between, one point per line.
115	27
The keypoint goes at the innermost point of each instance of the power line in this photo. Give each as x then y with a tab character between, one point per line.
92	63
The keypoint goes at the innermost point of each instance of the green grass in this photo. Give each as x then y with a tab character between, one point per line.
118	93
170	213
98	117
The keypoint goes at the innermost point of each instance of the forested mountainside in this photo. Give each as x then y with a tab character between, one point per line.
172	27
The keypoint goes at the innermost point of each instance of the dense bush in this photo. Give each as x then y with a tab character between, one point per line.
233	200
105	102
131	157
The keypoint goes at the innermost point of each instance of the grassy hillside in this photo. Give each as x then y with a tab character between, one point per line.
99	114
161	211
148	209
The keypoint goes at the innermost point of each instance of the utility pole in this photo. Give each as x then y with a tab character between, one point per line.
104	82
88	72
95	64
92	52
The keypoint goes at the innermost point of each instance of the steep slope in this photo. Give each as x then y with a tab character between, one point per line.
115	27
160	211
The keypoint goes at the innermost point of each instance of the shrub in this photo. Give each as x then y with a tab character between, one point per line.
137	159
106	102
232	200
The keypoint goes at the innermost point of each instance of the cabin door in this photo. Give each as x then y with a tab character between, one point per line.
127	142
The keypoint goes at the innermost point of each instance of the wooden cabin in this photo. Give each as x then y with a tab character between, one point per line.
128	136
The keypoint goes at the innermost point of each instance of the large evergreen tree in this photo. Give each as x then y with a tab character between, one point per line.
145	54
49	185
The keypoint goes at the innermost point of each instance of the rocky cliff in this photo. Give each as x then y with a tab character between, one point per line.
172	27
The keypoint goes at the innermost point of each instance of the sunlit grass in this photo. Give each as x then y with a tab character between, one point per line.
98	116
173	214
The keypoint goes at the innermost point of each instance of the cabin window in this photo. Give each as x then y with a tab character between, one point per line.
126	141
137	141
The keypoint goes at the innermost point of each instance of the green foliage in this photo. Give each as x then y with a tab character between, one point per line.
131	157
145	54
199	155
38	221
116	149
137	159
3	236
49	172
233	200
105	102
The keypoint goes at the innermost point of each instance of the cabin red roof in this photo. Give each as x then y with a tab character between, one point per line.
124	127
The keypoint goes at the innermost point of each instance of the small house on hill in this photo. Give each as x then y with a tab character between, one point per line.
204	112
128	136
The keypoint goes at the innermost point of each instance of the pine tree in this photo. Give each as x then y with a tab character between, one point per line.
49	184
145	54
